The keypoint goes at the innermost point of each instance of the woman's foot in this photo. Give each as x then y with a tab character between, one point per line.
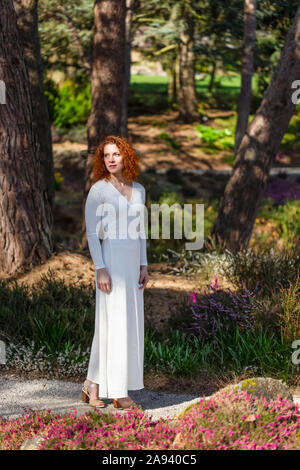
125	402
92	393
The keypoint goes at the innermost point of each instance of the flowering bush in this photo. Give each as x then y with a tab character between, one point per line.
70	361
224	421
221	310
238	421
281	189
94	430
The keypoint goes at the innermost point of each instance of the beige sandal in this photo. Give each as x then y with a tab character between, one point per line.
131	405
95	402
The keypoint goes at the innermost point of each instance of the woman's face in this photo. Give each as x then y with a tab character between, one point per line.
113	159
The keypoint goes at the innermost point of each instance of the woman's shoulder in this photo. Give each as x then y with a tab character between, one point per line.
139	185
98	190
98	185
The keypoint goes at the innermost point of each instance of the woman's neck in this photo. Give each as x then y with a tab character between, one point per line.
118	179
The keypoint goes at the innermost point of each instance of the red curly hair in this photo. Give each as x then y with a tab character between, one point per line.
130	159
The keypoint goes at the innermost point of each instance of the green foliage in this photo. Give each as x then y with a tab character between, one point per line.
266	266
72	106
59	24
234	352
58	180
51	91
173	355
51	314
286	218
172	142
218	138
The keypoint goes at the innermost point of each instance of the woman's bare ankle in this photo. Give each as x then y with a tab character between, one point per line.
93	391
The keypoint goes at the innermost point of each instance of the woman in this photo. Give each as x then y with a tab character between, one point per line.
117	354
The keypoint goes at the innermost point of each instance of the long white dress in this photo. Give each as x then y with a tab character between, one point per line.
117	354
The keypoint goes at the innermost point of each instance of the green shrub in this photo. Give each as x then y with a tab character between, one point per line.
72	105
218	138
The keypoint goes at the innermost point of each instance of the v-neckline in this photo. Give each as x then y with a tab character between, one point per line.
132	186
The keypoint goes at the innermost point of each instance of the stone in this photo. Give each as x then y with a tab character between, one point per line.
31	444
260	387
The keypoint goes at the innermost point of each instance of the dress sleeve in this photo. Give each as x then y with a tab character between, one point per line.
93	202
142	236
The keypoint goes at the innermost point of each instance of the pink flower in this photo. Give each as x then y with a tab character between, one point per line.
216	283
193	297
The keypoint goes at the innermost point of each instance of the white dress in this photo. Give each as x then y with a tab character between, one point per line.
117	354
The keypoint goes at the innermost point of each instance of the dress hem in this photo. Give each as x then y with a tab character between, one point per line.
123	393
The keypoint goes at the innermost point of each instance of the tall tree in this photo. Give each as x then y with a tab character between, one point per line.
128	37
27	20
25	212
244	190
107	80
186	89
170	25
247	71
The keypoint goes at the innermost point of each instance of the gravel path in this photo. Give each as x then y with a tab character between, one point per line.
62	396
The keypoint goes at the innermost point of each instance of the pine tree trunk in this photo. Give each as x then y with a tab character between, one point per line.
247	71
212	76
25	234
172	83
187	100
27	19
258	149
128	25
107	80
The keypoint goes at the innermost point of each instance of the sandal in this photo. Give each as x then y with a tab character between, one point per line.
131	405
95	402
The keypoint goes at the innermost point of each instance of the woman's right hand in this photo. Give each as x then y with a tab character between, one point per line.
103	280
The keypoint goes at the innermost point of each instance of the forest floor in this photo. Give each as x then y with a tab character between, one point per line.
179	147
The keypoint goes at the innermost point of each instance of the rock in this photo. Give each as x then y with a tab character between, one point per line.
178	441
257	387
31	444
260	387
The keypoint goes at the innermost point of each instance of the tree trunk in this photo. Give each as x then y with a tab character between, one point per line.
187	101
108	77
258	148
27	20
128	24
212	76
172	83
247	71
25	234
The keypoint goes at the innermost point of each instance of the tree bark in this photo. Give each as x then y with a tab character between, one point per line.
27	20
258	149
108	78
128	25
247	71
187	100
25	233
172	84
212	76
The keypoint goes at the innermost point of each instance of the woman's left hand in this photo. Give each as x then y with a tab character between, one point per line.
144	277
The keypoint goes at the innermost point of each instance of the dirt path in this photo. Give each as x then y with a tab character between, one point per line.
180	148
